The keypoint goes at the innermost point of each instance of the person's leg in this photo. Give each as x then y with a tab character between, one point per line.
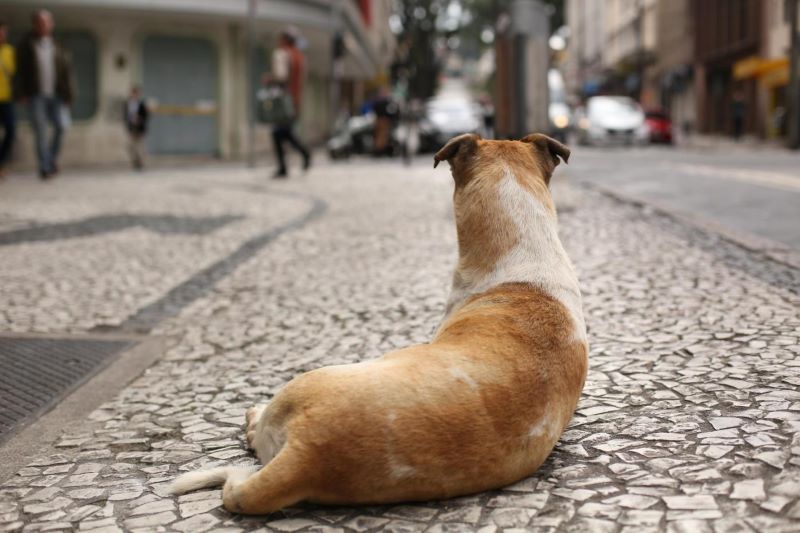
54	115
131	149
140	150
38	117
295	142
278	136
9	123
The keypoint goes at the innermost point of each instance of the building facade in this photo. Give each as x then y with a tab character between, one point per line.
670	79
196	67
584	65
732	32
702	61
630	42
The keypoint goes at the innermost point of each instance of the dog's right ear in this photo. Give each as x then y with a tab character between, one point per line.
462	145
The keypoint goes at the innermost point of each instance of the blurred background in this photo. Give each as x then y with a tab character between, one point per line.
593	71
700	98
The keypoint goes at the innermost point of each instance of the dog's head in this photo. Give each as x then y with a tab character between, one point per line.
535	156
498	185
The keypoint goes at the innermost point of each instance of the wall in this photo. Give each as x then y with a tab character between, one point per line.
101	139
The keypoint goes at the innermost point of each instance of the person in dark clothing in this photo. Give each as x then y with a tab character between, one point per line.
386	112
136	116
44	82
738	112
288	68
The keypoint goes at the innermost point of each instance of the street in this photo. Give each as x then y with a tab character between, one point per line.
689	420
746	191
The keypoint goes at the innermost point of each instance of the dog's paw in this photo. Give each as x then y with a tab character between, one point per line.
252	415
251	418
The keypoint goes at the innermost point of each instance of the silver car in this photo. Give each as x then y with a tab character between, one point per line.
612	120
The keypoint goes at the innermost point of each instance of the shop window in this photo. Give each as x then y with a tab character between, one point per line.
82	47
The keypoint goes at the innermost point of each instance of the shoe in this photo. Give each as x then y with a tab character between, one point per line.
44	175
307	162
280	174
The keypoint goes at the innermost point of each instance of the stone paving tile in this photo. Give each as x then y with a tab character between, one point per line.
96	281
690	419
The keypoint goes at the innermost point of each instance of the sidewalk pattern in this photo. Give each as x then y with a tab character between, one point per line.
690	419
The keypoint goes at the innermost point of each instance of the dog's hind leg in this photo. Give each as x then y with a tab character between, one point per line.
278	484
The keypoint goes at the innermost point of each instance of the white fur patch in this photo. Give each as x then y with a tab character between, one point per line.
399	470
459	374
538	257
544	426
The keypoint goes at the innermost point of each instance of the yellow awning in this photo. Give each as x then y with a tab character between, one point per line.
771	71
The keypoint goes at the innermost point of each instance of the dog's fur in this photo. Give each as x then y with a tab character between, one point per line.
481	405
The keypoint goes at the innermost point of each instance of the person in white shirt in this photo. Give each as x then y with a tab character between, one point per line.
288	72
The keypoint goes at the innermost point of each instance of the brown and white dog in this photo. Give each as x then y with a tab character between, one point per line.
481	405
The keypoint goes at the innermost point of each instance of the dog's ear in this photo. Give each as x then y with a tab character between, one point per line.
550	149
465	144
549	146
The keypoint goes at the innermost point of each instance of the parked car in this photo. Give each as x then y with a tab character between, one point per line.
449	117
558	110
612	120
659	126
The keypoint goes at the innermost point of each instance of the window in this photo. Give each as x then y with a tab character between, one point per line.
82	48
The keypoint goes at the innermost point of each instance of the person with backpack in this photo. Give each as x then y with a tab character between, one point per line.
288	70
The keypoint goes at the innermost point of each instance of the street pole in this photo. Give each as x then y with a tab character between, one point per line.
251	67
337	50
793	92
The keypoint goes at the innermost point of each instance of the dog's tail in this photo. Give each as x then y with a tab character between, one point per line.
213	477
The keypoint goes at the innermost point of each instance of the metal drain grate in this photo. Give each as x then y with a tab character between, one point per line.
37	372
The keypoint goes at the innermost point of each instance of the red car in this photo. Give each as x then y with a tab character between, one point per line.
659	125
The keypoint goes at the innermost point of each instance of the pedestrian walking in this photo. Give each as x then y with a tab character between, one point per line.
288	71
136	116
45	83
8	120
738	112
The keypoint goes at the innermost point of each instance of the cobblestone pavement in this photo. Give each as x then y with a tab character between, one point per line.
690	419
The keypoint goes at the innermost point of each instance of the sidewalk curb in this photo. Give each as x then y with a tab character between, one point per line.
39	437
772	250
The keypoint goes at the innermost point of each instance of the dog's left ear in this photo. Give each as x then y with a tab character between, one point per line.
461	145
549	151
548	145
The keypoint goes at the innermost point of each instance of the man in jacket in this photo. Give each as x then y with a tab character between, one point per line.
288	70
136	115
45	83
7	118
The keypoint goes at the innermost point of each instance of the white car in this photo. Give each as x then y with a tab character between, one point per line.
612	120
453	116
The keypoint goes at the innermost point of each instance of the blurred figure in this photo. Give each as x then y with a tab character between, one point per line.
136	115
386	111
8	120
487	113
288	69
44	81
738	112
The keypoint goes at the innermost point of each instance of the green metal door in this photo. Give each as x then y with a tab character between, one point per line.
180	80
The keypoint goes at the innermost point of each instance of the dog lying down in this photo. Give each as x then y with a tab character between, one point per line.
479	407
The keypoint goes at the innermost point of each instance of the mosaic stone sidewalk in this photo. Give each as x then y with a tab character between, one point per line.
690	419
